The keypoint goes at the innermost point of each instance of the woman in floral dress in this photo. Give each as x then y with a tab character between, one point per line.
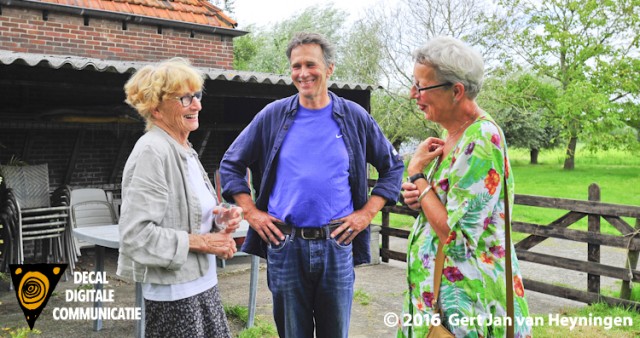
462	203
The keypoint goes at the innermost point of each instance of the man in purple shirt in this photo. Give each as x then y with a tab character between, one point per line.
308	154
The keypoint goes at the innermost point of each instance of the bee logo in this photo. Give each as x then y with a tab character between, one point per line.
34	285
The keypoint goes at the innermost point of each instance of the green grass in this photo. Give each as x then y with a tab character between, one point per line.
259	330
617	173
18	332
615	291
361	296
598	311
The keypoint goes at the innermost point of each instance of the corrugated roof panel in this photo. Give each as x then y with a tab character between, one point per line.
122	67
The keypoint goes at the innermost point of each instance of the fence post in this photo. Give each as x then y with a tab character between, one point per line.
632	263
593	250
385	237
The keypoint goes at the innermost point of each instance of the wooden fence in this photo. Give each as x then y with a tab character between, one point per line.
595	211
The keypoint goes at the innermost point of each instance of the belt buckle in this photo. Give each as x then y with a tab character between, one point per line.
314	233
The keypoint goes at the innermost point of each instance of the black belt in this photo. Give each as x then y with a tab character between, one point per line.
308	232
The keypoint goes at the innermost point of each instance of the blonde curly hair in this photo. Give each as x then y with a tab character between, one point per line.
152	84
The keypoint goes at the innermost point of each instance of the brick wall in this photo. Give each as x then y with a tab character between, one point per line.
25	30
97	154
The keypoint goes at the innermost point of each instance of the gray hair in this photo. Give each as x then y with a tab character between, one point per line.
453	61
302	38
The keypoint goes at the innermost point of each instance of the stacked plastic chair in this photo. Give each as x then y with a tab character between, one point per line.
8	227
33	214
90	207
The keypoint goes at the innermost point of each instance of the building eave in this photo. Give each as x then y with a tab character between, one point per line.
122	17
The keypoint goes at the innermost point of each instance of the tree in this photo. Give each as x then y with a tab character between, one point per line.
264	49
226	5
359	54
402	29
244	50
590	49
517	102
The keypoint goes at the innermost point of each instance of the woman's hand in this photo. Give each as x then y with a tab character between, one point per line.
410	194
220	244
426	152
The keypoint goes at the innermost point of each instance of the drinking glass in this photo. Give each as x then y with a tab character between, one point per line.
228	212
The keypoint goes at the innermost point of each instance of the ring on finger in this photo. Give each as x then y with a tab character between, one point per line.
349	231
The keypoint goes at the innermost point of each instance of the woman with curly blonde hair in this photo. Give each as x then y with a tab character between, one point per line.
167	238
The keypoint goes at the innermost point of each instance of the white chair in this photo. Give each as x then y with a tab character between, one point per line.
90	207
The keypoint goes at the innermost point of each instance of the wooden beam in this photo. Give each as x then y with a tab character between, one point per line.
401	209
587	207
123	152
578	236
74	157
234	127
631	263
394	232
562	222
620	224
581	296
98	86
205	140
578	265
593	249
31	125
390	254
26	149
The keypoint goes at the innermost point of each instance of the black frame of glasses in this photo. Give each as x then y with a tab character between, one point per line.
189	97
418	89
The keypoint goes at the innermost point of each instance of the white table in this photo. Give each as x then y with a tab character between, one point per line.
108	236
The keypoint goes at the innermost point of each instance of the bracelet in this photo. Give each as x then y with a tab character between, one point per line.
424	193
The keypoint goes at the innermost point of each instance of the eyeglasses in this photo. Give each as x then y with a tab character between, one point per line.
418	89
188	99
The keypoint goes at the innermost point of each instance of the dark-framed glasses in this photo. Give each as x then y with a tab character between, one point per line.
421	89
186	100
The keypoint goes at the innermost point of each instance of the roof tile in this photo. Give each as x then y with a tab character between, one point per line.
191	11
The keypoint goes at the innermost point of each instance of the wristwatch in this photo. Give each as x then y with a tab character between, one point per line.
414	178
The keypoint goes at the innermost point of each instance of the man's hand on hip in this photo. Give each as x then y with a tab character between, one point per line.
262	223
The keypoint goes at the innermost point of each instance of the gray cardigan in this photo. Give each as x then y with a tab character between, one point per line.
159	210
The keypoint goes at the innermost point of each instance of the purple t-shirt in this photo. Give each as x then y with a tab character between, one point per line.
312	177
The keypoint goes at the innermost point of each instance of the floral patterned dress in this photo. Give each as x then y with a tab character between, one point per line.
473	289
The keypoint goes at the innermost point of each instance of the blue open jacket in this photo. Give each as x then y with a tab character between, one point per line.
258	145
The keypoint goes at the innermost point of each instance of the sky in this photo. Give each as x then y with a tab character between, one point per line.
262	12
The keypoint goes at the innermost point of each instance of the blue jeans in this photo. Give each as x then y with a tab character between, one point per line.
312	286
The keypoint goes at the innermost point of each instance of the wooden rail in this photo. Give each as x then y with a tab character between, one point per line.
595	211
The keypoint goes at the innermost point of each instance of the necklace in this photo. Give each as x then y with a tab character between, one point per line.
454	134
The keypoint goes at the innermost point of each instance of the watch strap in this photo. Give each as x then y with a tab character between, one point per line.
414	178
